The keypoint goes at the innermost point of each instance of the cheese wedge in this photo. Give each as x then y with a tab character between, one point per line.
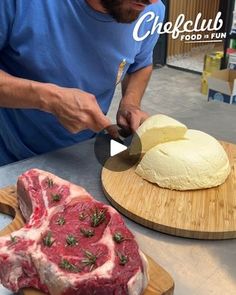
198	161
155	130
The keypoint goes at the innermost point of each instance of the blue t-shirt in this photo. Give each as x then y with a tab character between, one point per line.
67	43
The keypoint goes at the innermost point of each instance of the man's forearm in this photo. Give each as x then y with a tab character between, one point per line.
134	86
22	93
75	109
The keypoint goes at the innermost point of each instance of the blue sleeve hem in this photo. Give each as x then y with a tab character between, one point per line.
145	57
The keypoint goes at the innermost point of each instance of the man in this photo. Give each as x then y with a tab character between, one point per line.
60	62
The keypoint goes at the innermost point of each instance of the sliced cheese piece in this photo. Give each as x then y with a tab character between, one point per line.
198	161
155	130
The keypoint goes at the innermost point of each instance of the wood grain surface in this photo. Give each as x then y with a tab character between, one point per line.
190	8
199	214
160	282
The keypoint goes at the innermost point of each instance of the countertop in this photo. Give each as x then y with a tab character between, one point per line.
198	267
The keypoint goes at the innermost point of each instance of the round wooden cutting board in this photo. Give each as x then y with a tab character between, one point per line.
199	214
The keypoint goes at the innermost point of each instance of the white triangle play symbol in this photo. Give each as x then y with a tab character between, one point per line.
116	148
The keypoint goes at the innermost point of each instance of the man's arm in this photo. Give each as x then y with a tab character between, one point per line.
130	115
76	110
134	86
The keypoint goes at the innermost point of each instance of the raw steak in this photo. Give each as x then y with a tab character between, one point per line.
71	244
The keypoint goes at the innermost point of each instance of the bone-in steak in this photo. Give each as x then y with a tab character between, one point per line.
70	244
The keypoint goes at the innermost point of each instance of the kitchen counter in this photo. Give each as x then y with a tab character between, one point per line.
198	267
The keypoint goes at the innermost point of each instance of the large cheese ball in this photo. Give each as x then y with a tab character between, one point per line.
156	129
198	161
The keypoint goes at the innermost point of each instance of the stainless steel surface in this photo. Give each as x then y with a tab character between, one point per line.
198	267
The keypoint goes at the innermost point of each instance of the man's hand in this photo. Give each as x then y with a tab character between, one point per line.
130	117
76	110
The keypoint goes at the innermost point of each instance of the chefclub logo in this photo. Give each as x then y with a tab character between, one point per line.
189	31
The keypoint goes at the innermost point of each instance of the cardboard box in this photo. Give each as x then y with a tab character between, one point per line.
232	61
222	86
232	66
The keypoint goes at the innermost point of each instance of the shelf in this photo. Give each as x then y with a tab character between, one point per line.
232	36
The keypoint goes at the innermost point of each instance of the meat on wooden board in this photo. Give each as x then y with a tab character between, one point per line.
71	243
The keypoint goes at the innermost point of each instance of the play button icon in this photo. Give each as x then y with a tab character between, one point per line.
113	153
116	147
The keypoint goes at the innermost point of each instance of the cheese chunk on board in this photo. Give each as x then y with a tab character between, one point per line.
155	130
198	161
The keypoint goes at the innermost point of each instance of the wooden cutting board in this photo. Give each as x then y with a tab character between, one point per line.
199	214
160	282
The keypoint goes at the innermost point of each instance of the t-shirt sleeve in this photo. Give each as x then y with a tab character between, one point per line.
7	13
145	56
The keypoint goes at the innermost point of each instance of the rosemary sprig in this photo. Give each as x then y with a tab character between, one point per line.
56	197
98	217
61	221
118	237
47	240
65	264
49	182
90	259
123	258
13	239
82	216
88	233
71	240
